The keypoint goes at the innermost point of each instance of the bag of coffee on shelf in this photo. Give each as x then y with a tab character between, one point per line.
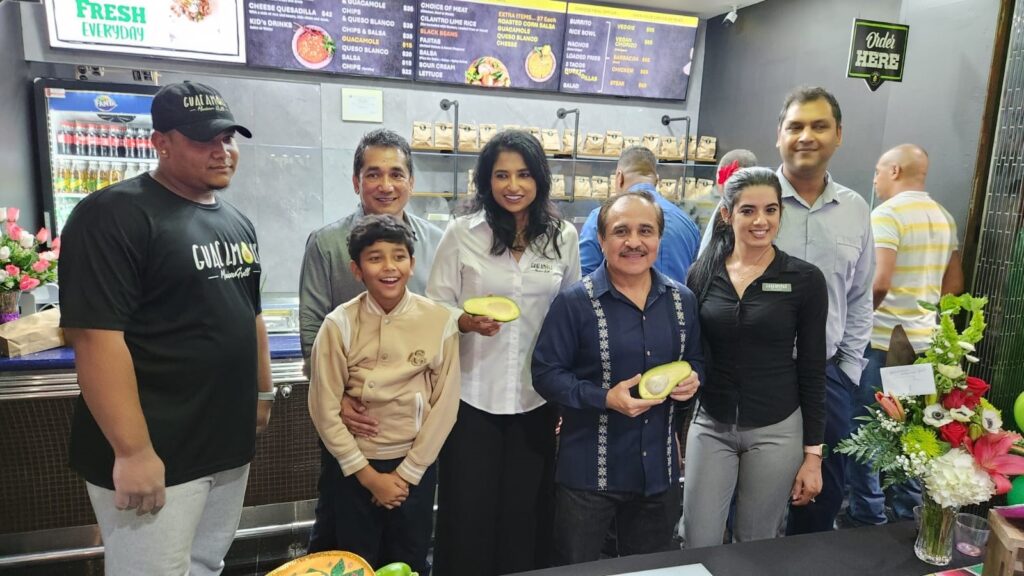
444	135
422	135
630	141
613	142
535	132
471	182
704	187
549	140
487	131
511	127
581	187
468	138
691	149
557	186
669	148
706	148
594	144
32	333
651	142
667	188
689	188
599	187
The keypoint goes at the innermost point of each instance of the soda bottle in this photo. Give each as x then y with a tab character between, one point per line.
103	179
117	140
76	179
65	137
92	176
65	175
59	183
117	172
142	142
80	147
91	140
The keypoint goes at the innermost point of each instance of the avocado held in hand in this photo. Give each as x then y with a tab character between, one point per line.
499	308
658	382
396	569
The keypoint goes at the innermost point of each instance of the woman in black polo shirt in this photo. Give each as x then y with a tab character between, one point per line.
760	420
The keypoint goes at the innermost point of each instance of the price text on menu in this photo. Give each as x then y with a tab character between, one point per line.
620	52
361	37
491	43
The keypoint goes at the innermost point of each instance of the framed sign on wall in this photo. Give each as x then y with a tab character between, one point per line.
878	52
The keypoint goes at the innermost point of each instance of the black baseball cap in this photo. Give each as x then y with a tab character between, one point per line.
196	110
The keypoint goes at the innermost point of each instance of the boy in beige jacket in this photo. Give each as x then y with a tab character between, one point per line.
397	353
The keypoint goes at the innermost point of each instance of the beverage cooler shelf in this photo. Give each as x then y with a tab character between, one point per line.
100	158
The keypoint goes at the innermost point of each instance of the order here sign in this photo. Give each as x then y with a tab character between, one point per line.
877	52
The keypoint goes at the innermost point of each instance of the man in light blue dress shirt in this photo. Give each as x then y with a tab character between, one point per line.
828	225
637	171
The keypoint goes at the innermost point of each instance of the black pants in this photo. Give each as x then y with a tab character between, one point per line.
379	535
582	517
495	493
820	515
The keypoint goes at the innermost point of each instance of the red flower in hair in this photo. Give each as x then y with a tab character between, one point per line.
725	171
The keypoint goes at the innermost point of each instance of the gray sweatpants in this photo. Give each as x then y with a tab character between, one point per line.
759	464
189	536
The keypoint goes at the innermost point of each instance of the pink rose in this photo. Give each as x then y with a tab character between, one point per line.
43	235
14	231
12	214
56	243
41	266
28	283
12	270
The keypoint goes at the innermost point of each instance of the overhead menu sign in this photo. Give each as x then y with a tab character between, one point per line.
491	43
360	37
621	52
877	52
190	29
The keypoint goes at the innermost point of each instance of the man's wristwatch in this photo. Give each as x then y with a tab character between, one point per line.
267	396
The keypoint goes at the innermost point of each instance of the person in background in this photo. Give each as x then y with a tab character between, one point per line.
708	205
617	456
397	352
916	259
160	298
828	225
760	408
496	469
637	171
382	176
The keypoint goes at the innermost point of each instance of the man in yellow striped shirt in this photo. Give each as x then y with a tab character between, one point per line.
916	258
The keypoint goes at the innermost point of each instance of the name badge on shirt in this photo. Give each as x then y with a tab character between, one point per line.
776	287
542	267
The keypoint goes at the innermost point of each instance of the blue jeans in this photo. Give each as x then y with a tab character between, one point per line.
867	501
820	515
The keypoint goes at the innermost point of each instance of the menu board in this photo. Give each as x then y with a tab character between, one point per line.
190	29
360	37
491	43
621	52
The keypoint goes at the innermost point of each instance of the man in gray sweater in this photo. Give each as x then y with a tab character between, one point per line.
382	175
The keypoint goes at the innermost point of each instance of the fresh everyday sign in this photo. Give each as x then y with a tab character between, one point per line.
877	52
188	29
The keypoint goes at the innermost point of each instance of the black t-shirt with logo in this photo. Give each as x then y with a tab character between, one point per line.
181	280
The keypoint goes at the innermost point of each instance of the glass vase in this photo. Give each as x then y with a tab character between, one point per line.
934	543
9	306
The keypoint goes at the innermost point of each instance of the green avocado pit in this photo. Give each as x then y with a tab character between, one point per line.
658	382
499	308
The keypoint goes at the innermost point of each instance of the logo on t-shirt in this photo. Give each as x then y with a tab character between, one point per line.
229	260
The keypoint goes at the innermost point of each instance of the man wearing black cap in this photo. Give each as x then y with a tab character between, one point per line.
160	298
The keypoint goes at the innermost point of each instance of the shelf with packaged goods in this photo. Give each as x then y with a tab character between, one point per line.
448	153
78	195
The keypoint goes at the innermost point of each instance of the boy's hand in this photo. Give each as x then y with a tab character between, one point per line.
354	417
388	490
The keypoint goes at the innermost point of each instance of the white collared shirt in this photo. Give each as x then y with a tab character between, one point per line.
496	370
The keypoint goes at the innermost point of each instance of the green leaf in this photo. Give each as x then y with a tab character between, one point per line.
927	305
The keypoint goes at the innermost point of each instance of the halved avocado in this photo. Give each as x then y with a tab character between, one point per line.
499	308
658	382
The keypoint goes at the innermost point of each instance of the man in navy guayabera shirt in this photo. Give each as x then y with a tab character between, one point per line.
617	454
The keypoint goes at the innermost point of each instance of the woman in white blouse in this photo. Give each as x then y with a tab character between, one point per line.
496	470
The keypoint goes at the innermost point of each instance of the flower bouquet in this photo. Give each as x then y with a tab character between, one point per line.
952	441
23	265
